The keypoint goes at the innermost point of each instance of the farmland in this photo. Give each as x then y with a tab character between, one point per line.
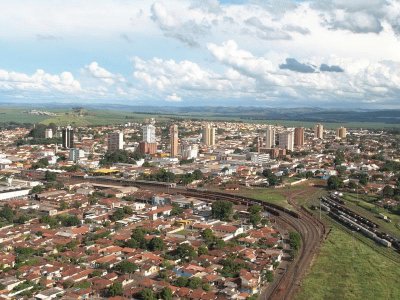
114	116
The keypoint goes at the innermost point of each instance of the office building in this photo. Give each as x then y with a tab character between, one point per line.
173	131
48	133
269	139
299	136
115	141
189	151
68	137
147	148
149	133
209	135
76	154
319	131
341	133
286	140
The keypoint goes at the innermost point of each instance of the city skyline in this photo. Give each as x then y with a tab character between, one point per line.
291	53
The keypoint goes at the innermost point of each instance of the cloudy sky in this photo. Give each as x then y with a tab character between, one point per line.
325	53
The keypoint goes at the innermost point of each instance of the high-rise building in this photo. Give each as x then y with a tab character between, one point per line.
147	148
173	131
269	137
76	154
319	131
48	133
299	136
189	151
149	133
209	135
341	133
115	141
68	137
286	140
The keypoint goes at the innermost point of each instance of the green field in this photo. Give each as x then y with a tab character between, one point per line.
106	117
269	195
348	269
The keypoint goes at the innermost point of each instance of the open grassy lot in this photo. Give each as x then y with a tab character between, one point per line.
275	196
303	193
348	269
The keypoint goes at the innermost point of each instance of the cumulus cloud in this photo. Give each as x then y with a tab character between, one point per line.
40	81
327	68
296	66
102	74
187	31
173	98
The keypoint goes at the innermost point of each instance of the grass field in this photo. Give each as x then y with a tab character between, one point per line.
105	117
302	193
348	269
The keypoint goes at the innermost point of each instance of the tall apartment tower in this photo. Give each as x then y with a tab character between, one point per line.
149	133
341	133
286	140
173	132
209	135
68	137
270	137
319	131
115	141
299	136
48	133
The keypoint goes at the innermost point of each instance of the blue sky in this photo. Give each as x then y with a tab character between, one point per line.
202	52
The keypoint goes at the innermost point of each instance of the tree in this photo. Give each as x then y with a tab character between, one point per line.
255	214
115	290
156	244
334	183
294	240
166	293
269	276
70	220
126	267
388	191
363	179
7	213
117	215
37	189
194	283
222	210
181	281
202	250
185	252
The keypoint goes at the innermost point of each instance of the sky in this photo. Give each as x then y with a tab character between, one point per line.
276	53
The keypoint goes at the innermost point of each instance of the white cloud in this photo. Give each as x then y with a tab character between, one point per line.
39	81
94	70
173	98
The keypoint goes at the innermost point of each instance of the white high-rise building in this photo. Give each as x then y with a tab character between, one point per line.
115	141
319	131
269	139
209	135
286	140
48	133
189	151
76	154
149	133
